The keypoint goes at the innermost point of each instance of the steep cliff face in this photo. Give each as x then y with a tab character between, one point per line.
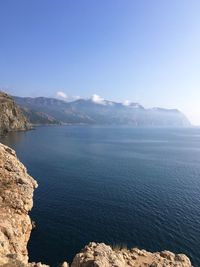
11	117
16	200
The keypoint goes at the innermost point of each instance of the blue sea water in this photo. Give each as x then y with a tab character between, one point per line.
118	185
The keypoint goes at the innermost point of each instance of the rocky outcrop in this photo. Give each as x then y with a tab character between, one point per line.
11	117
16	200
101	255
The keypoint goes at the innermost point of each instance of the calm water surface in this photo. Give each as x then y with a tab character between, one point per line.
118	185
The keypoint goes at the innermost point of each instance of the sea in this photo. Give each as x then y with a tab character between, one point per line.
121	185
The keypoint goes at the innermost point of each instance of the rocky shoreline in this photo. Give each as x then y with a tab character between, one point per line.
16	200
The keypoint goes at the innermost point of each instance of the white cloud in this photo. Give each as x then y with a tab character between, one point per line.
126	102
61	94
76	97
98	99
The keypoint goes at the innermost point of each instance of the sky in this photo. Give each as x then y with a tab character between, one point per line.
145	51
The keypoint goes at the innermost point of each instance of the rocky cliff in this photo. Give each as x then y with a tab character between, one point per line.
101	255
16	200
11	117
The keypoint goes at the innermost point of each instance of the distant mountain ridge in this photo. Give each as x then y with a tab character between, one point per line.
51	110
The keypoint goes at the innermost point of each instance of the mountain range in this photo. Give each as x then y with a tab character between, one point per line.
43	110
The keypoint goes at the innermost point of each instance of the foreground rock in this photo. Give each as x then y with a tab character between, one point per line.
16	200
101	255
11	117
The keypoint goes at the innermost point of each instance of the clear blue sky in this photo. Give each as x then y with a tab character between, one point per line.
140	50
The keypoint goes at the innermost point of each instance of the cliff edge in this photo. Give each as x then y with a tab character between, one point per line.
11	117
16	200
